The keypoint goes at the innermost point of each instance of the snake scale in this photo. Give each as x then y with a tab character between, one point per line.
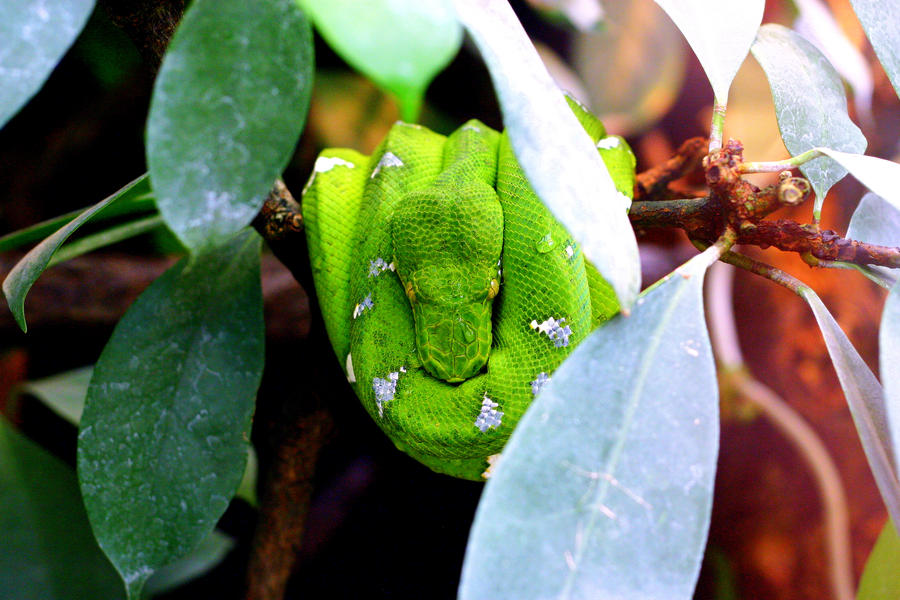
448	290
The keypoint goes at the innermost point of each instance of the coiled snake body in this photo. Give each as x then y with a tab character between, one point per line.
449	291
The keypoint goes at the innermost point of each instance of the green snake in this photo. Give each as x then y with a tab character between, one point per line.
448	290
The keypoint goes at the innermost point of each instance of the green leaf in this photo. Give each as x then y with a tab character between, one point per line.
562	164
881	577
207	555
810	104
866	400
605	487
105	238
720	35
877	222
26	271
34	35
889	364
138	199
47	550
399	44
877	174
63	393
164	435
228	106
881	21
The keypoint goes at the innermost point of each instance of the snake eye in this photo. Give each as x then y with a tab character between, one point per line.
410	292
494	288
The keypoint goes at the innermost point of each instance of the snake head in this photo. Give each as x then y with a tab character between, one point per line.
452	314
447	245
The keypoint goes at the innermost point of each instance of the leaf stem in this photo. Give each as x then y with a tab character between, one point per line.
765	270
718	125
776	166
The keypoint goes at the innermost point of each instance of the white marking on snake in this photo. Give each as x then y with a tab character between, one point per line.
327	163
489	417
570	251
555	330
609	142
379	266
538	384
470	127
351	376
366	303
388	159
493	460
384	389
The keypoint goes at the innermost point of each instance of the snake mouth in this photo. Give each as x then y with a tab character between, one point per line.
453	343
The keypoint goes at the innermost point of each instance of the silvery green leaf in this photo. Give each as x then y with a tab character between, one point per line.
889	364
720	35
25	272
876	222
605	487
881	21
64	394
399	44
558	157
228	105
34	35
164	434
877	174
866	400
809	103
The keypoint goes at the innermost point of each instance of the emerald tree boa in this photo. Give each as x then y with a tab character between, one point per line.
449	292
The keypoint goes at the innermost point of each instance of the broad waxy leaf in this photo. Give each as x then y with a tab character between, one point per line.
64	394
47	551
889	364
605	487
228	106
881	21
810	104
25	272
164	434
877	174
881	577
34	35
399	44
720	35
876	222
866	400
562	164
